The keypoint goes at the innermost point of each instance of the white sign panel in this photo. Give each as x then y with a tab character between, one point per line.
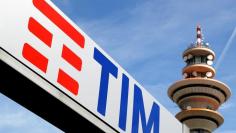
39	36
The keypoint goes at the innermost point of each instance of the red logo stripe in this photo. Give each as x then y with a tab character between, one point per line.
58	20
39	31
35	57
68	82
71	58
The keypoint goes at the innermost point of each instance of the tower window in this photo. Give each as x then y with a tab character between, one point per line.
197	60
204	59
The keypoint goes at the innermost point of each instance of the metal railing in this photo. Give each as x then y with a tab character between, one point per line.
194	45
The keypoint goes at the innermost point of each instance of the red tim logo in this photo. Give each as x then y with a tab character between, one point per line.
39	31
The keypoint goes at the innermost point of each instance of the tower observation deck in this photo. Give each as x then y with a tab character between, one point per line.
198	95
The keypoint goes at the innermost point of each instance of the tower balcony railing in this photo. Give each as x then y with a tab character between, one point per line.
194	45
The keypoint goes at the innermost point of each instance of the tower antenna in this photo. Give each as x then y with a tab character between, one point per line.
199	36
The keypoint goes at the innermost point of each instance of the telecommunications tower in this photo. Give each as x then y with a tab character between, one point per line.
199	95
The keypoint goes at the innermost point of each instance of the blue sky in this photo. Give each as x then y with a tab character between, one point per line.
147	38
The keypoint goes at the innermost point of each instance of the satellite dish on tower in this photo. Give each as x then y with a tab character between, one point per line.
209	62
185	75
210	57
194	73
209	74
190	56
185	58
